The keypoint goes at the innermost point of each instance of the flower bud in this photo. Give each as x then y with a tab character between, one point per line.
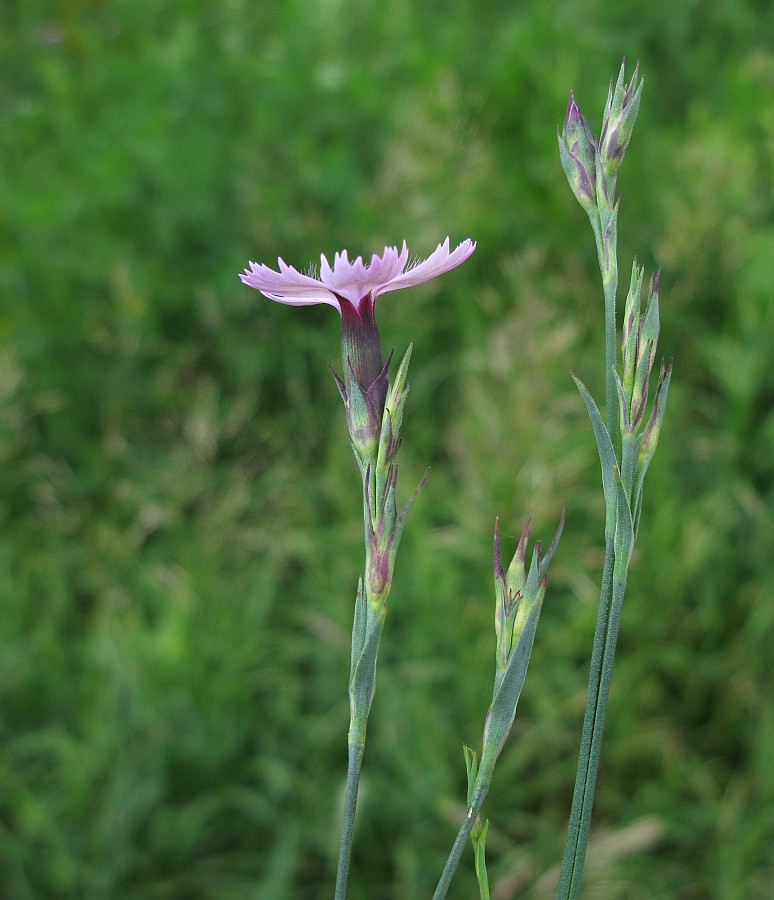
631	327
649	440
578	151
511	608
647	339
384	528
518	601
639	339
653	429
623	103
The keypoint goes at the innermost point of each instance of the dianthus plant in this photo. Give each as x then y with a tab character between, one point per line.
626	440
374	405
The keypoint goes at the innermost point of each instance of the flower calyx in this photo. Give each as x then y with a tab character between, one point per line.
364	386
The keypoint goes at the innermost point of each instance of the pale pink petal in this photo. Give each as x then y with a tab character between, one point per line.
439	261
355	280
288	285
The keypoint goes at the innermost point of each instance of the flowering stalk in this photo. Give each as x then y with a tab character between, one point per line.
374	411
625	447
592	167
518	601
383	529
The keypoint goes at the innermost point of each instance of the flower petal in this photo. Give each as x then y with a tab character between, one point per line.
355	280
288	285
439	261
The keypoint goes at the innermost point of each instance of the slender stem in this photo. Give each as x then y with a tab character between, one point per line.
574	839
354	765
607	255
611	342
366	634
375	450
608	617
572	865
460	842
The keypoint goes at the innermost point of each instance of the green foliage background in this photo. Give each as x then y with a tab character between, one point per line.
179	518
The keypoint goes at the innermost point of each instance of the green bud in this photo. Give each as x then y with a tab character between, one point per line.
392	419
649	440
653	429
631	327
578	151
518	601
510	607
650	326
383	531
623	103
639	339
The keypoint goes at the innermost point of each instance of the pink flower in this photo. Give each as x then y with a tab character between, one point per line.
352	282
352	289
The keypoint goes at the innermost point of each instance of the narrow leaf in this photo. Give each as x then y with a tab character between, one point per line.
552	548
503	709
362	682
471	766
607	457
479	846
359	625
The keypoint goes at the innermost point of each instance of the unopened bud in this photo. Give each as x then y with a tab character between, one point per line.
631	327
578	151
623	103
519	598
653	429
639	340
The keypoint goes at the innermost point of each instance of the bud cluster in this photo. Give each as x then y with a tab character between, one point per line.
638	349
374	408
383	524
518	600
591	165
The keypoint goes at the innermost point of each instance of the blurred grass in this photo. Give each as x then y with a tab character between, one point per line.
179	541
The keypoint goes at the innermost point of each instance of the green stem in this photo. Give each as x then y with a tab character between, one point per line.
611	343
607	256
463	836
356	751
366	634
382	531
606	635
608	614
584	757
